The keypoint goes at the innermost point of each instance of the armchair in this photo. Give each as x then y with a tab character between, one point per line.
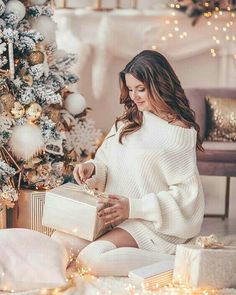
219	158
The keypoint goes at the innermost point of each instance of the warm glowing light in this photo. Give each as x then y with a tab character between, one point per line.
176	29
167	22
163	38
224	29
216	28
176	21
170	35
227	38
154	47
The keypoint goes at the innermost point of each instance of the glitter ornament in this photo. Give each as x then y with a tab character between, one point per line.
18	110
35	58
17	8
34	112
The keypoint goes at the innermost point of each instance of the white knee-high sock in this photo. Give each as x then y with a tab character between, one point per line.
103	258
72	244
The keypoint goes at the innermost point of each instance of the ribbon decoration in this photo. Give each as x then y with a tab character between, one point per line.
85	188
209	242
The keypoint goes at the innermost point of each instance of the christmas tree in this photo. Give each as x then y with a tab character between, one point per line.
43	125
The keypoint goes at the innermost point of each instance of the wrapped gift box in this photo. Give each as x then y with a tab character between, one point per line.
153	276
205	268
71	209
30	211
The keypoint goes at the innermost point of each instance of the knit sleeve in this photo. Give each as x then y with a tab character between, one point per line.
177	210
98	180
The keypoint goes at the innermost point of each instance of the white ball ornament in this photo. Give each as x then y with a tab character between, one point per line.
16	7
75	103
46	26
26	140
38	2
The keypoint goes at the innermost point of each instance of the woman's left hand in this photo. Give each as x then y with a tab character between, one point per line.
117	211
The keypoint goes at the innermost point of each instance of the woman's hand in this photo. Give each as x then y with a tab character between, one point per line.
83	171
117	211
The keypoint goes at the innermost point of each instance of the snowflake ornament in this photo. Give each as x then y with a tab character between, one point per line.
82	137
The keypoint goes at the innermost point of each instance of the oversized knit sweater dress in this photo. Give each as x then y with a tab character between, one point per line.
156	169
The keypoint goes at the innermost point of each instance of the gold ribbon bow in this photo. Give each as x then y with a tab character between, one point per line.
210	242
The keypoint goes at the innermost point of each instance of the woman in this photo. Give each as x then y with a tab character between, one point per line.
147	165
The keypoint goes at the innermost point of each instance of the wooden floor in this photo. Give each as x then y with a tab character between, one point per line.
219	227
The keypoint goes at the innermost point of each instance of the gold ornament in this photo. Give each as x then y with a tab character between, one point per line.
3	88
34	111
7	101
35	58
18	110
28	79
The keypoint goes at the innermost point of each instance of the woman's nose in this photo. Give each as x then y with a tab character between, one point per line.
134	95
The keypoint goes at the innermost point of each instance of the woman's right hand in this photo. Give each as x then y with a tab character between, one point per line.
83	171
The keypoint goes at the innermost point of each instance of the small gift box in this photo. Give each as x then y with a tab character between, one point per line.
73	208
153	276
205	265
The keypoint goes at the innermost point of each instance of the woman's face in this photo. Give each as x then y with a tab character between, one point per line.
138	93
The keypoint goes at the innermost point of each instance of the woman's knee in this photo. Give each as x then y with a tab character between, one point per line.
91	258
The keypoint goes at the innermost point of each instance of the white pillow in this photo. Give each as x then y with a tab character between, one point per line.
30	260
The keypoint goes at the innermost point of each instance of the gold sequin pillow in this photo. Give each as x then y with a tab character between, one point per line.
221	118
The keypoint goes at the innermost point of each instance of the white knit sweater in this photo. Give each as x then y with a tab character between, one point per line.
156	169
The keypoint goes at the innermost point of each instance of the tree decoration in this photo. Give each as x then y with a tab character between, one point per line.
9	187
34	92
75	103
36	57
16	7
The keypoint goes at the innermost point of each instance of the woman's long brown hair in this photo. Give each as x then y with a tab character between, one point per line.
165	93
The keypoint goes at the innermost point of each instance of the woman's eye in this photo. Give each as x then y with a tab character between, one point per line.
141	89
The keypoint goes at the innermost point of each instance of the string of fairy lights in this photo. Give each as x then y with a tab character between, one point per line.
222	24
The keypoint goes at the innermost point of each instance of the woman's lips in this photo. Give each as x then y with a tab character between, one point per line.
139	102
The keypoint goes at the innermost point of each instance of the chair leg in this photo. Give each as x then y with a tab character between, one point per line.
227	195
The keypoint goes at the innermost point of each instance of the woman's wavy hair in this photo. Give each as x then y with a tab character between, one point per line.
165	93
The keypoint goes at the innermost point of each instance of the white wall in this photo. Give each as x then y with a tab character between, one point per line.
105	50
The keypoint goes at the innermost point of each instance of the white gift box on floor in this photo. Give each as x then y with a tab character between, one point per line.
154	275
205	268
71	210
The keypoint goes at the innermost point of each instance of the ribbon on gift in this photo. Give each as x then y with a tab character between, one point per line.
210	242
85	188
